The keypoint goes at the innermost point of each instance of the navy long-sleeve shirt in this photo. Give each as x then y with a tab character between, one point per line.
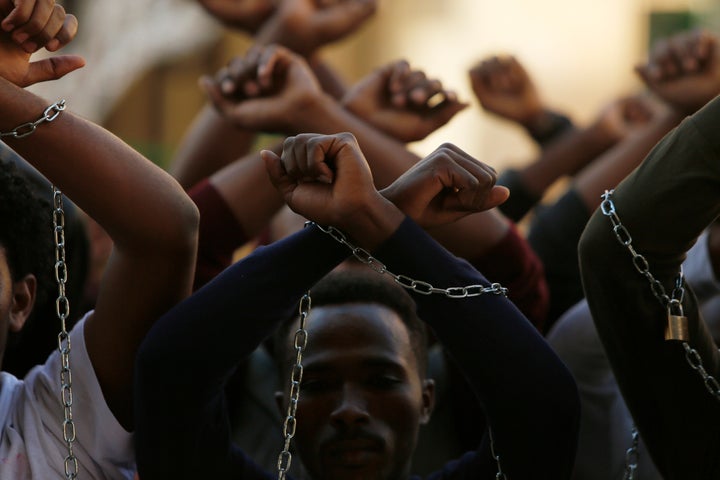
182	424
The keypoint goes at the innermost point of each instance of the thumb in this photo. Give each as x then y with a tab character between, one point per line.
278	176
52	68
497	196
445	112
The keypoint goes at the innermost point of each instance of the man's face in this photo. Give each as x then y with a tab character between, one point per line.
6	296
362	398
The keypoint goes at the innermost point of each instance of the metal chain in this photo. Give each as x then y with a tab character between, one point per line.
62	307
607	208
50	114
500	475
300	342
641	265
632	456
417	286
423	288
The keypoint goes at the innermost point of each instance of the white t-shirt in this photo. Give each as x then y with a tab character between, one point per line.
31	414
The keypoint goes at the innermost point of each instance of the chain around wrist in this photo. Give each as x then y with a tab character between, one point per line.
49	114
417	286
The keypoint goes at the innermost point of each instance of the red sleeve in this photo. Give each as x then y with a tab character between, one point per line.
515	265
220	233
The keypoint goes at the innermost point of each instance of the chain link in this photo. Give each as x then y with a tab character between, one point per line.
691	355
417	286
300	342
62	308
500	475
50	114
632	456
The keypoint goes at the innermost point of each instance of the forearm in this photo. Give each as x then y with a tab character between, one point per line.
564	156
211	143
220	233
247	190
91	166
664	205
329	78
615	164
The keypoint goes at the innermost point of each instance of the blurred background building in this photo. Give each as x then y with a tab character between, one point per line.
144	58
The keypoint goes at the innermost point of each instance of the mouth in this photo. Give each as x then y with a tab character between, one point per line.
354	453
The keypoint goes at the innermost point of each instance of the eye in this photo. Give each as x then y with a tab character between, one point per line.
384	382
316	385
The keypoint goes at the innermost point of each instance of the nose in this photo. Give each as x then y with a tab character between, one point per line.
351	408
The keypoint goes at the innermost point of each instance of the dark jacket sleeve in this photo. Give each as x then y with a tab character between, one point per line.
664	204
554	235
182	425
529	397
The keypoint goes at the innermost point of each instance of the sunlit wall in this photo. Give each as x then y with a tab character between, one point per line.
580	52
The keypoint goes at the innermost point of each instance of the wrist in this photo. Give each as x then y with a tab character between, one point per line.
546	124
374	223
319	113
600	137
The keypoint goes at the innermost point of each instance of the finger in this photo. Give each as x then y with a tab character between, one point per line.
397	72
41	15
65	35
48	32
278	176
233	77
52	68
320	152
270	64
294	151
214	93
445	111
704	46
649	73
664	60
19	15
420	93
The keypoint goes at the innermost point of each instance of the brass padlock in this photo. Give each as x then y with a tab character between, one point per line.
677	328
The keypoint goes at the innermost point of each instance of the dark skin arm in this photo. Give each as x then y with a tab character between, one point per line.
152	223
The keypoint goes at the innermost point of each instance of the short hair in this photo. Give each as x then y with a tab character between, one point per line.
26	233
359	284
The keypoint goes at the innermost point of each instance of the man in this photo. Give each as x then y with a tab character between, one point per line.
153	225
365	394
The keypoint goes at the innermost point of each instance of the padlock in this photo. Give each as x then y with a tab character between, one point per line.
677	328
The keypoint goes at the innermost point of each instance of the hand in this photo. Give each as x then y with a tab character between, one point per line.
445	186
16	67
247	15
401	102
269	89
684	70
503	87
34	24
306	25
324	178
625	116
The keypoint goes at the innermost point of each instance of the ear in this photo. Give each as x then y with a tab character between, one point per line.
23	301
428	399
280	403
